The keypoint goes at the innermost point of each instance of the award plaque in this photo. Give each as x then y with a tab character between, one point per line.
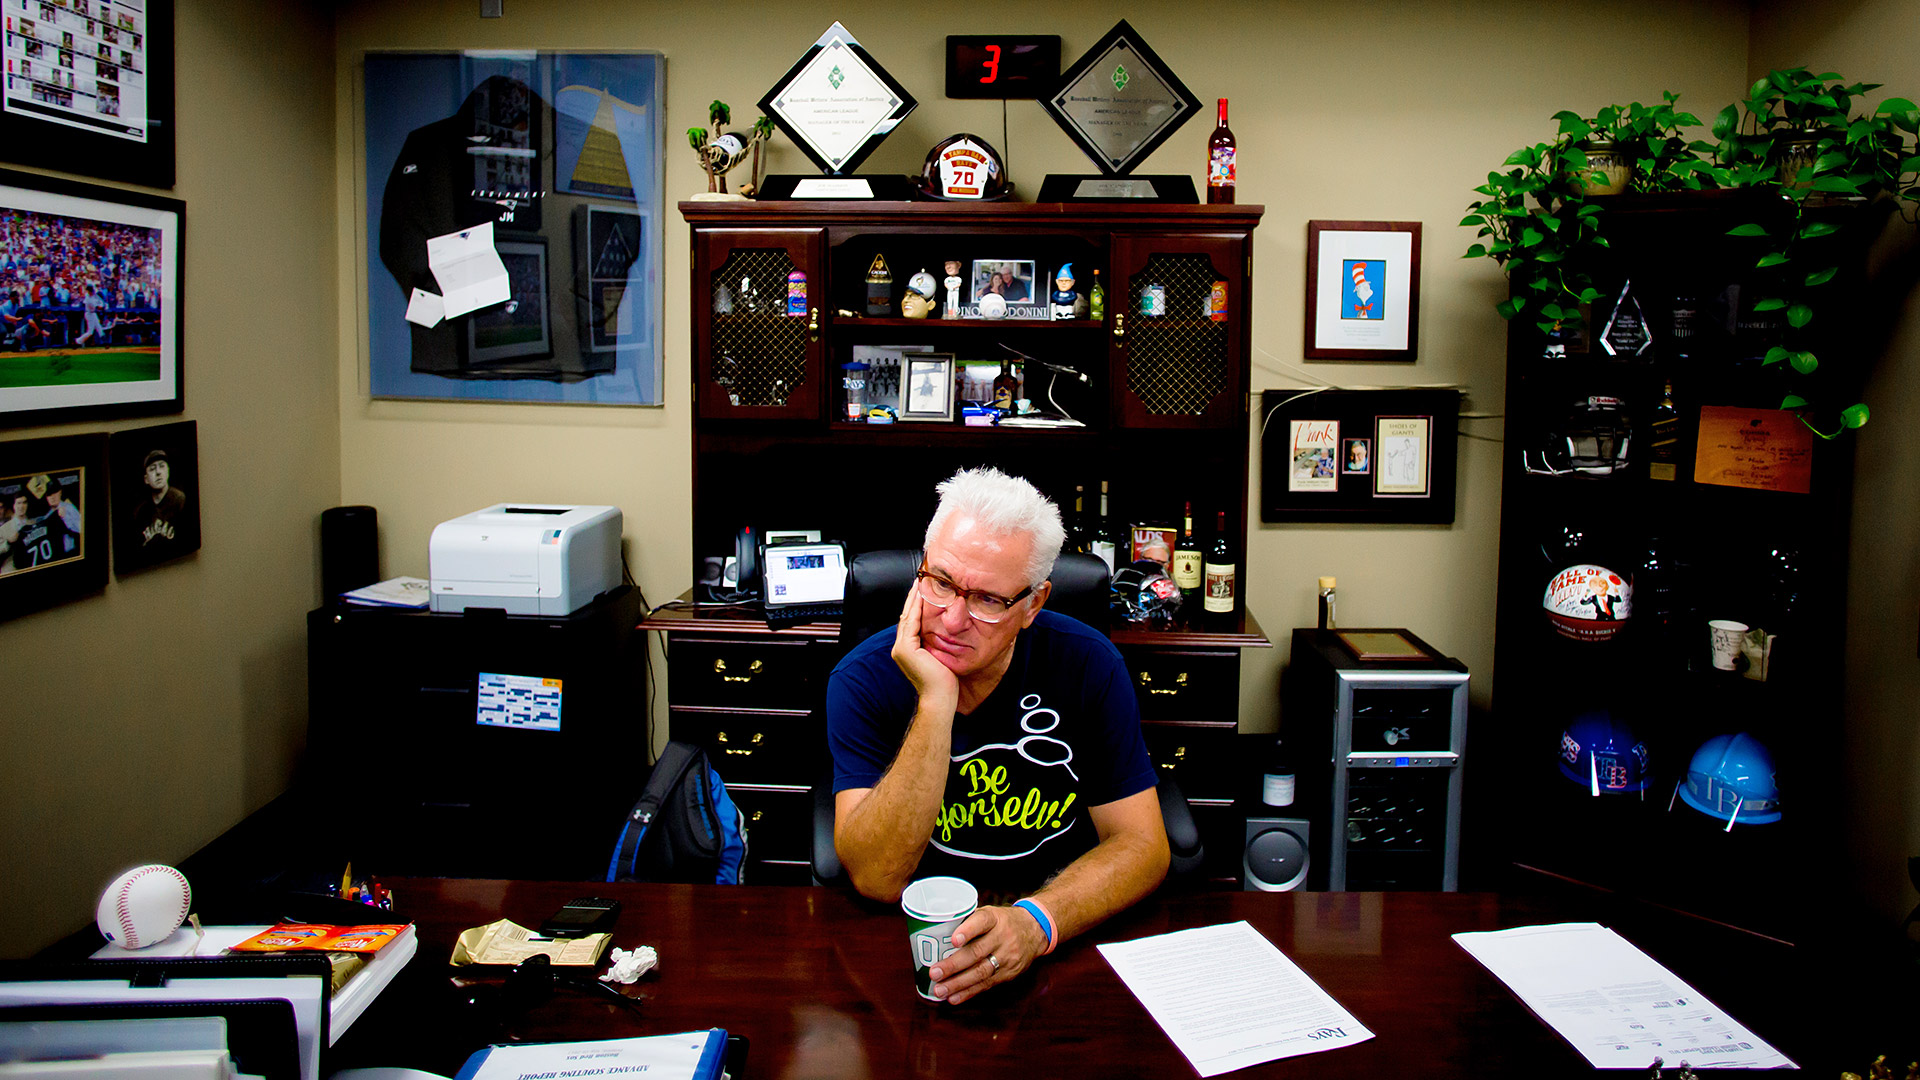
837	103
1119	102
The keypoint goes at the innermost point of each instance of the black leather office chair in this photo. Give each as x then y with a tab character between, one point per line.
877	584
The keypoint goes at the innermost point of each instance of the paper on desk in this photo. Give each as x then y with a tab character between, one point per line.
468	269
1229	999
1614	1003
507	942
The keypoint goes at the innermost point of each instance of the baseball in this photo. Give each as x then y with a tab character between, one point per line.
144	906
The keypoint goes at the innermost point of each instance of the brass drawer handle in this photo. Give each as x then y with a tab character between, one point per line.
1179	683
1119	325
813	324
754	667
752	743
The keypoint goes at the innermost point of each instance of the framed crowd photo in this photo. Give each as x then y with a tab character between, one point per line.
53	502
1363	290
89	301
1406	467
89	88
155	494
926	391
521	328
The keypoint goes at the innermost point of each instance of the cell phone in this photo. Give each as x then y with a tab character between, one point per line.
587	915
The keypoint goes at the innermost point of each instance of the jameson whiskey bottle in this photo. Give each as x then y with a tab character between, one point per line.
1187	559
1220	161
1221	590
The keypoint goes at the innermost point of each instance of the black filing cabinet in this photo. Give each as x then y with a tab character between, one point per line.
422	786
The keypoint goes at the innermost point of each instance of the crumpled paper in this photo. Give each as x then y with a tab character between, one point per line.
630	964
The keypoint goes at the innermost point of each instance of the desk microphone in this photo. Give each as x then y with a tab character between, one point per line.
1061	369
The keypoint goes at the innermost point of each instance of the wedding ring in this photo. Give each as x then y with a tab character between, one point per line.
994	960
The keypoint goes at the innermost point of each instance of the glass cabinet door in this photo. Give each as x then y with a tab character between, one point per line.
758	295
1177	320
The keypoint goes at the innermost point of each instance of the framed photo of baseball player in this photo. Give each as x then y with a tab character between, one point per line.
156	494
53	500
90	316
1363	290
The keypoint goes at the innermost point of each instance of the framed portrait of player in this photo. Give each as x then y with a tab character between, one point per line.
53	506
89	89
155	486
84	335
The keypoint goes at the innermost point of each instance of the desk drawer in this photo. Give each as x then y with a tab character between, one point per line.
779	824
748	747
742	673
1199	756
1186	685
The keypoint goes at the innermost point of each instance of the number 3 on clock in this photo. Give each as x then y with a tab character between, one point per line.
991	64
1002	65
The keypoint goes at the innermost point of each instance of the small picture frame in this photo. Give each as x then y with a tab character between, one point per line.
521	328
1312	460
1356	457
1404	444
886	368
156	495
1363	290
926	387
1013	279
54	494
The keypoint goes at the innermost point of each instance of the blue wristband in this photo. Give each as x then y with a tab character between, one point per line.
1039	916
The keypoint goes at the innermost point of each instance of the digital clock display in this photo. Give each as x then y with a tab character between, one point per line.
1002	65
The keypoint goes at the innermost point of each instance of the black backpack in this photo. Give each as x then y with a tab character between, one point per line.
684	828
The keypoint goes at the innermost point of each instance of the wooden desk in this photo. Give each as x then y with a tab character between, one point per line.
821	984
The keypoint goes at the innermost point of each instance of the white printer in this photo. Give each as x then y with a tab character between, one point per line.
527	558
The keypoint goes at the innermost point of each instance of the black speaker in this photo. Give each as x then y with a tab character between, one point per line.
349	550
1276	855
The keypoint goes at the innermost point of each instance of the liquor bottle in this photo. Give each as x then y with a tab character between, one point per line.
1077	521
1327	621
1663	463
1098	309
1220	161
1277	776
879	287
1100	541
1221	594
1187	558
1006	387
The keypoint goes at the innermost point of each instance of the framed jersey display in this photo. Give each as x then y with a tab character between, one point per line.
53	502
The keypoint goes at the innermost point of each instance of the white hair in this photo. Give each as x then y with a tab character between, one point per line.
1004	504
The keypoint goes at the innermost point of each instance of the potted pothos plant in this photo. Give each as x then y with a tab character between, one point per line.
1796	134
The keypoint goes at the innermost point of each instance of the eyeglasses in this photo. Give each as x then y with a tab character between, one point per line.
984	606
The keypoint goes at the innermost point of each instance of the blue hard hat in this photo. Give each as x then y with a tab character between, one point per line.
1602	753
1731	778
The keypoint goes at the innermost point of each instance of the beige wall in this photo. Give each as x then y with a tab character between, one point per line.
1395	116
1871	41
148	719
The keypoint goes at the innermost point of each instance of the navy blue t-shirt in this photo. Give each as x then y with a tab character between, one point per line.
1060	733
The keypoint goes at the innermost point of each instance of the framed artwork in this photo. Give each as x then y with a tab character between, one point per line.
155	494
89	88
1383	456
1011	278
1363	290
927	387
1406	461
82	336
53	502
563	154
885	366
521	328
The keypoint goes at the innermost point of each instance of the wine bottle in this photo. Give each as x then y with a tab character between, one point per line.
1277	777
1187	558
1100	543
1221	594
1663	463
1327	621
1098	304
1077	522
1220	161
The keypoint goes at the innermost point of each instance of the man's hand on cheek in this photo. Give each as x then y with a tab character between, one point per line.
994	944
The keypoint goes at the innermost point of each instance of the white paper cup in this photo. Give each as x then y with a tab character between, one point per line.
935	908
1725	635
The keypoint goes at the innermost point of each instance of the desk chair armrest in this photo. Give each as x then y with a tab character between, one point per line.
1183	835
826	860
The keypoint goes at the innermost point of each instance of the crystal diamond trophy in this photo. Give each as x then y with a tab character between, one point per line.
1119	102
837	104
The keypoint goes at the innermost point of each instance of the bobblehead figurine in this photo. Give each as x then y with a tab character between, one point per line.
1063	294
952	282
